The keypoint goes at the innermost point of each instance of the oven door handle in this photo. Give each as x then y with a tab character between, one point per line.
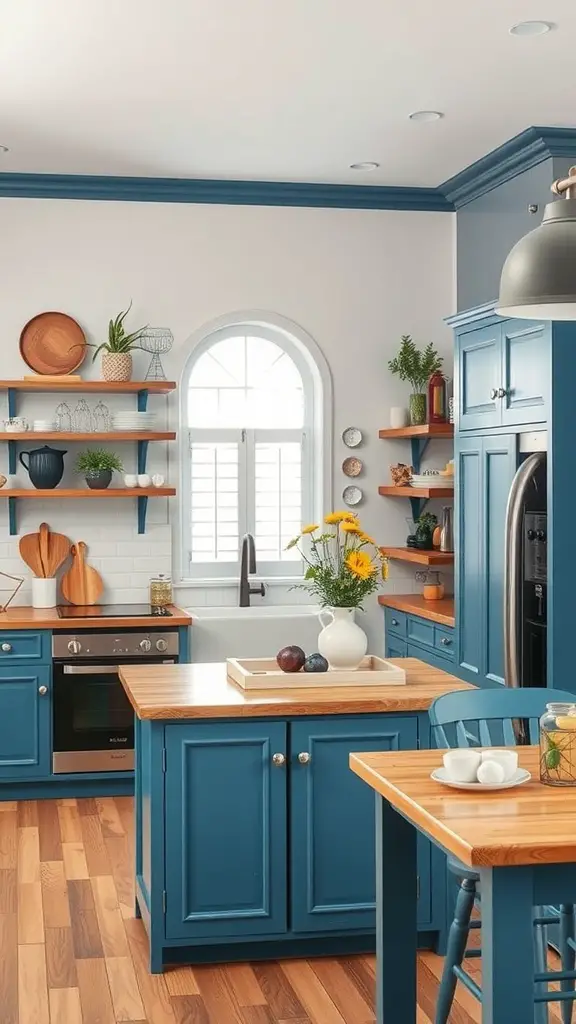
90	670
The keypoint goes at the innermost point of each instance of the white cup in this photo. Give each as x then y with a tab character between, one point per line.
462	765
507	759
43	592
398	416
131	480
144	480
157	480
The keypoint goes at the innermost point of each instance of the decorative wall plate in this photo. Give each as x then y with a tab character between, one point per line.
352	466
352	437
352	495
53	343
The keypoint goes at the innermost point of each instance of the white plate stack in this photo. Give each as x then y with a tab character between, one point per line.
44	426
134	421
430	480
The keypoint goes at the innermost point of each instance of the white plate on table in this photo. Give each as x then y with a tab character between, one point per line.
518	779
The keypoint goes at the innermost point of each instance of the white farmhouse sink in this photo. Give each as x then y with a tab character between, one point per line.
221	633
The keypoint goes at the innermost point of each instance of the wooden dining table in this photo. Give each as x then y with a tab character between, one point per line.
521	840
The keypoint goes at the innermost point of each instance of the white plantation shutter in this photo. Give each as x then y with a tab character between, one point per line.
249	414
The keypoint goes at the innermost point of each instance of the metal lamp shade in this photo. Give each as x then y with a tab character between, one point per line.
539	276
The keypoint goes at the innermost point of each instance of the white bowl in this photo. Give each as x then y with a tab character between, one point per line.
462	765
507	759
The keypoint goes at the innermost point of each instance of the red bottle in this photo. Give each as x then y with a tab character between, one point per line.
437	403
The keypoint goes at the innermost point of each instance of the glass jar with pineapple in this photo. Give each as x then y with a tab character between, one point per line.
558	745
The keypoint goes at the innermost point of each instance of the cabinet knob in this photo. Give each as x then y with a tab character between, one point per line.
394	622
493	393
304	757
445	641
42	690
278	759
6	648
502	392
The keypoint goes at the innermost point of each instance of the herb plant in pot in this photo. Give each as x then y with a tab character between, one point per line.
416	367
117	351
425	526
97	465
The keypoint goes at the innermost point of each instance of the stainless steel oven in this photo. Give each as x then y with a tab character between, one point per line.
93	721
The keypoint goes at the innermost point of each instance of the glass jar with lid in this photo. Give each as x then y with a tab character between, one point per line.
558	745
160	592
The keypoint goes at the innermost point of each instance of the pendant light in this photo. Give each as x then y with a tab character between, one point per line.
539	276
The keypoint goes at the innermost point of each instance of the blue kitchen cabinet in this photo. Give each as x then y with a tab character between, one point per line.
25	703
332	872
395	646
485	468
226	829
502	370
415	637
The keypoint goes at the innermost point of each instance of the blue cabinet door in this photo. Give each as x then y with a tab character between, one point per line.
498	468
526	355
395	646
468	575
478	363
226	865
332	822
25	702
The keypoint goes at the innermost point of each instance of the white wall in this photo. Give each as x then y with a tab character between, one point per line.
354	280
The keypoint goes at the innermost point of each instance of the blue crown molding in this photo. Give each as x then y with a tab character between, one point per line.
235	193
514	157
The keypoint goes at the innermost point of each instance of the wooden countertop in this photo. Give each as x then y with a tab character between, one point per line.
47	618
414	604
204	691
533	824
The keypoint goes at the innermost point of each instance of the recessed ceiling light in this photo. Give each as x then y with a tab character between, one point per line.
4	149
531	28
364	165
426	115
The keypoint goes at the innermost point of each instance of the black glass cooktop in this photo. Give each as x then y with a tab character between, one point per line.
110	611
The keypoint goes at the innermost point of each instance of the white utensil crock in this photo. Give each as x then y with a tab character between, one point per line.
43	592
341	642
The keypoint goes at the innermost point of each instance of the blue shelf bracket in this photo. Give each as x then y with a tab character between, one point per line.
12	457
142	400
418	446
142	456
12	517
142	509
11	402
417	505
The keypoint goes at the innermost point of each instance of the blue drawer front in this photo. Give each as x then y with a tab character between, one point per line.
444	642
395	621
421	631
24	645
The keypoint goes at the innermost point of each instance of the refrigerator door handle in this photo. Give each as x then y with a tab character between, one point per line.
513	569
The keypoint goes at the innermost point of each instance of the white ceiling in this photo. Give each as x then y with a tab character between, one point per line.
276	89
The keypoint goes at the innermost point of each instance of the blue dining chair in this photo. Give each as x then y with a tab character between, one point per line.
490	718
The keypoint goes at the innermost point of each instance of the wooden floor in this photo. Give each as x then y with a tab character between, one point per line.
71	951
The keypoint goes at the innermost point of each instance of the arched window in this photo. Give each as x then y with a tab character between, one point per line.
253	399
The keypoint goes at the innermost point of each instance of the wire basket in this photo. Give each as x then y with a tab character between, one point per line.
158	341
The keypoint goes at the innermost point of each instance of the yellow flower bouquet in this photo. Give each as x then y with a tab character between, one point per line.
343	564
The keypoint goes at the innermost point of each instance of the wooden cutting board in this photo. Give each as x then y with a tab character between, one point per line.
81	584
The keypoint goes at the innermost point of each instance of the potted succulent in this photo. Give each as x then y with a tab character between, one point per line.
97	465
425	526
416	367
117	357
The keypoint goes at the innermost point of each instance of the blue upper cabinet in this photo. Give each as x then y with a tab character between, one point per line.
25	722
502	371
226	871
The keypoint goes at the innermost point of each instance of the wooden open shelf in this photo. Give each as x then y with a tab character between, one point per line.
125	387
441	611
424	430
416	555
87	492
416	492
109	435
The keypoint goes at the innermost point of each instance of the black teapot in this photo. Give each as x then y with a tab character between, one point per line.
45	466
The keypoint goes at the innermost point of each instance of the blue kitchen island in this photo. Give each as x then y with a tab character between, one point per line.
253	838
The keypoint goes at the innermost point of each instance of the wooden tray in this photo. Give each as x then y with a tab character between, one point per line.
53	344
264	674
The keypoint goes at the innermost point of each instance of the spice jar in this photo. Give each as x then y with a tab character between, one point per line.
558	745
160	592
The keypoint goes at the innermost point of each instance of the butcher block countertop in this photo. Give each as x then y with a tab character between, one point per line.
48	618
204	691
441	611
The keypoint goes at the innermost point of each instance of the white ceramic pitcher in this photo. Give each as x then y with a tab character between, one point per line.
342	642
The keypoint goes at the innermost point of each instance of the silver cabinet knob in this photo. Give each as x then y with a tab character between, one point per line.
394	622
145	645
304	757
278	759
493	393
42	690
502	392
6	648
74	647
445	641
161	646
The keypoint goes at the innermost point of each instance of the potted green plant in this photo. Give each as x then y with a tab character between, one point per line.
97	465
425	526
416	367
117	357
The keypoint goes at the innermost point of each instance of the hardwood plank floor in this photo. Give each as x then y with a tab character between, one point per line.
71	951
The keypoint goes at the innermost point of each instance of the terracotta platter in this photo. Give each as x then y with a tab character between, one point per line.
53	343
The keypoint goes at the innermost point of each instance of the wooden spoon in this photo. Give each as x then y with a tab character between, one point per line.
81	584
30	553
58	551
44	535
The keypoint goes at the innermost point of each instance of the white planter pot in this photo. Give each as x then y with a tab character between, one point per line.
341	642
43	592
